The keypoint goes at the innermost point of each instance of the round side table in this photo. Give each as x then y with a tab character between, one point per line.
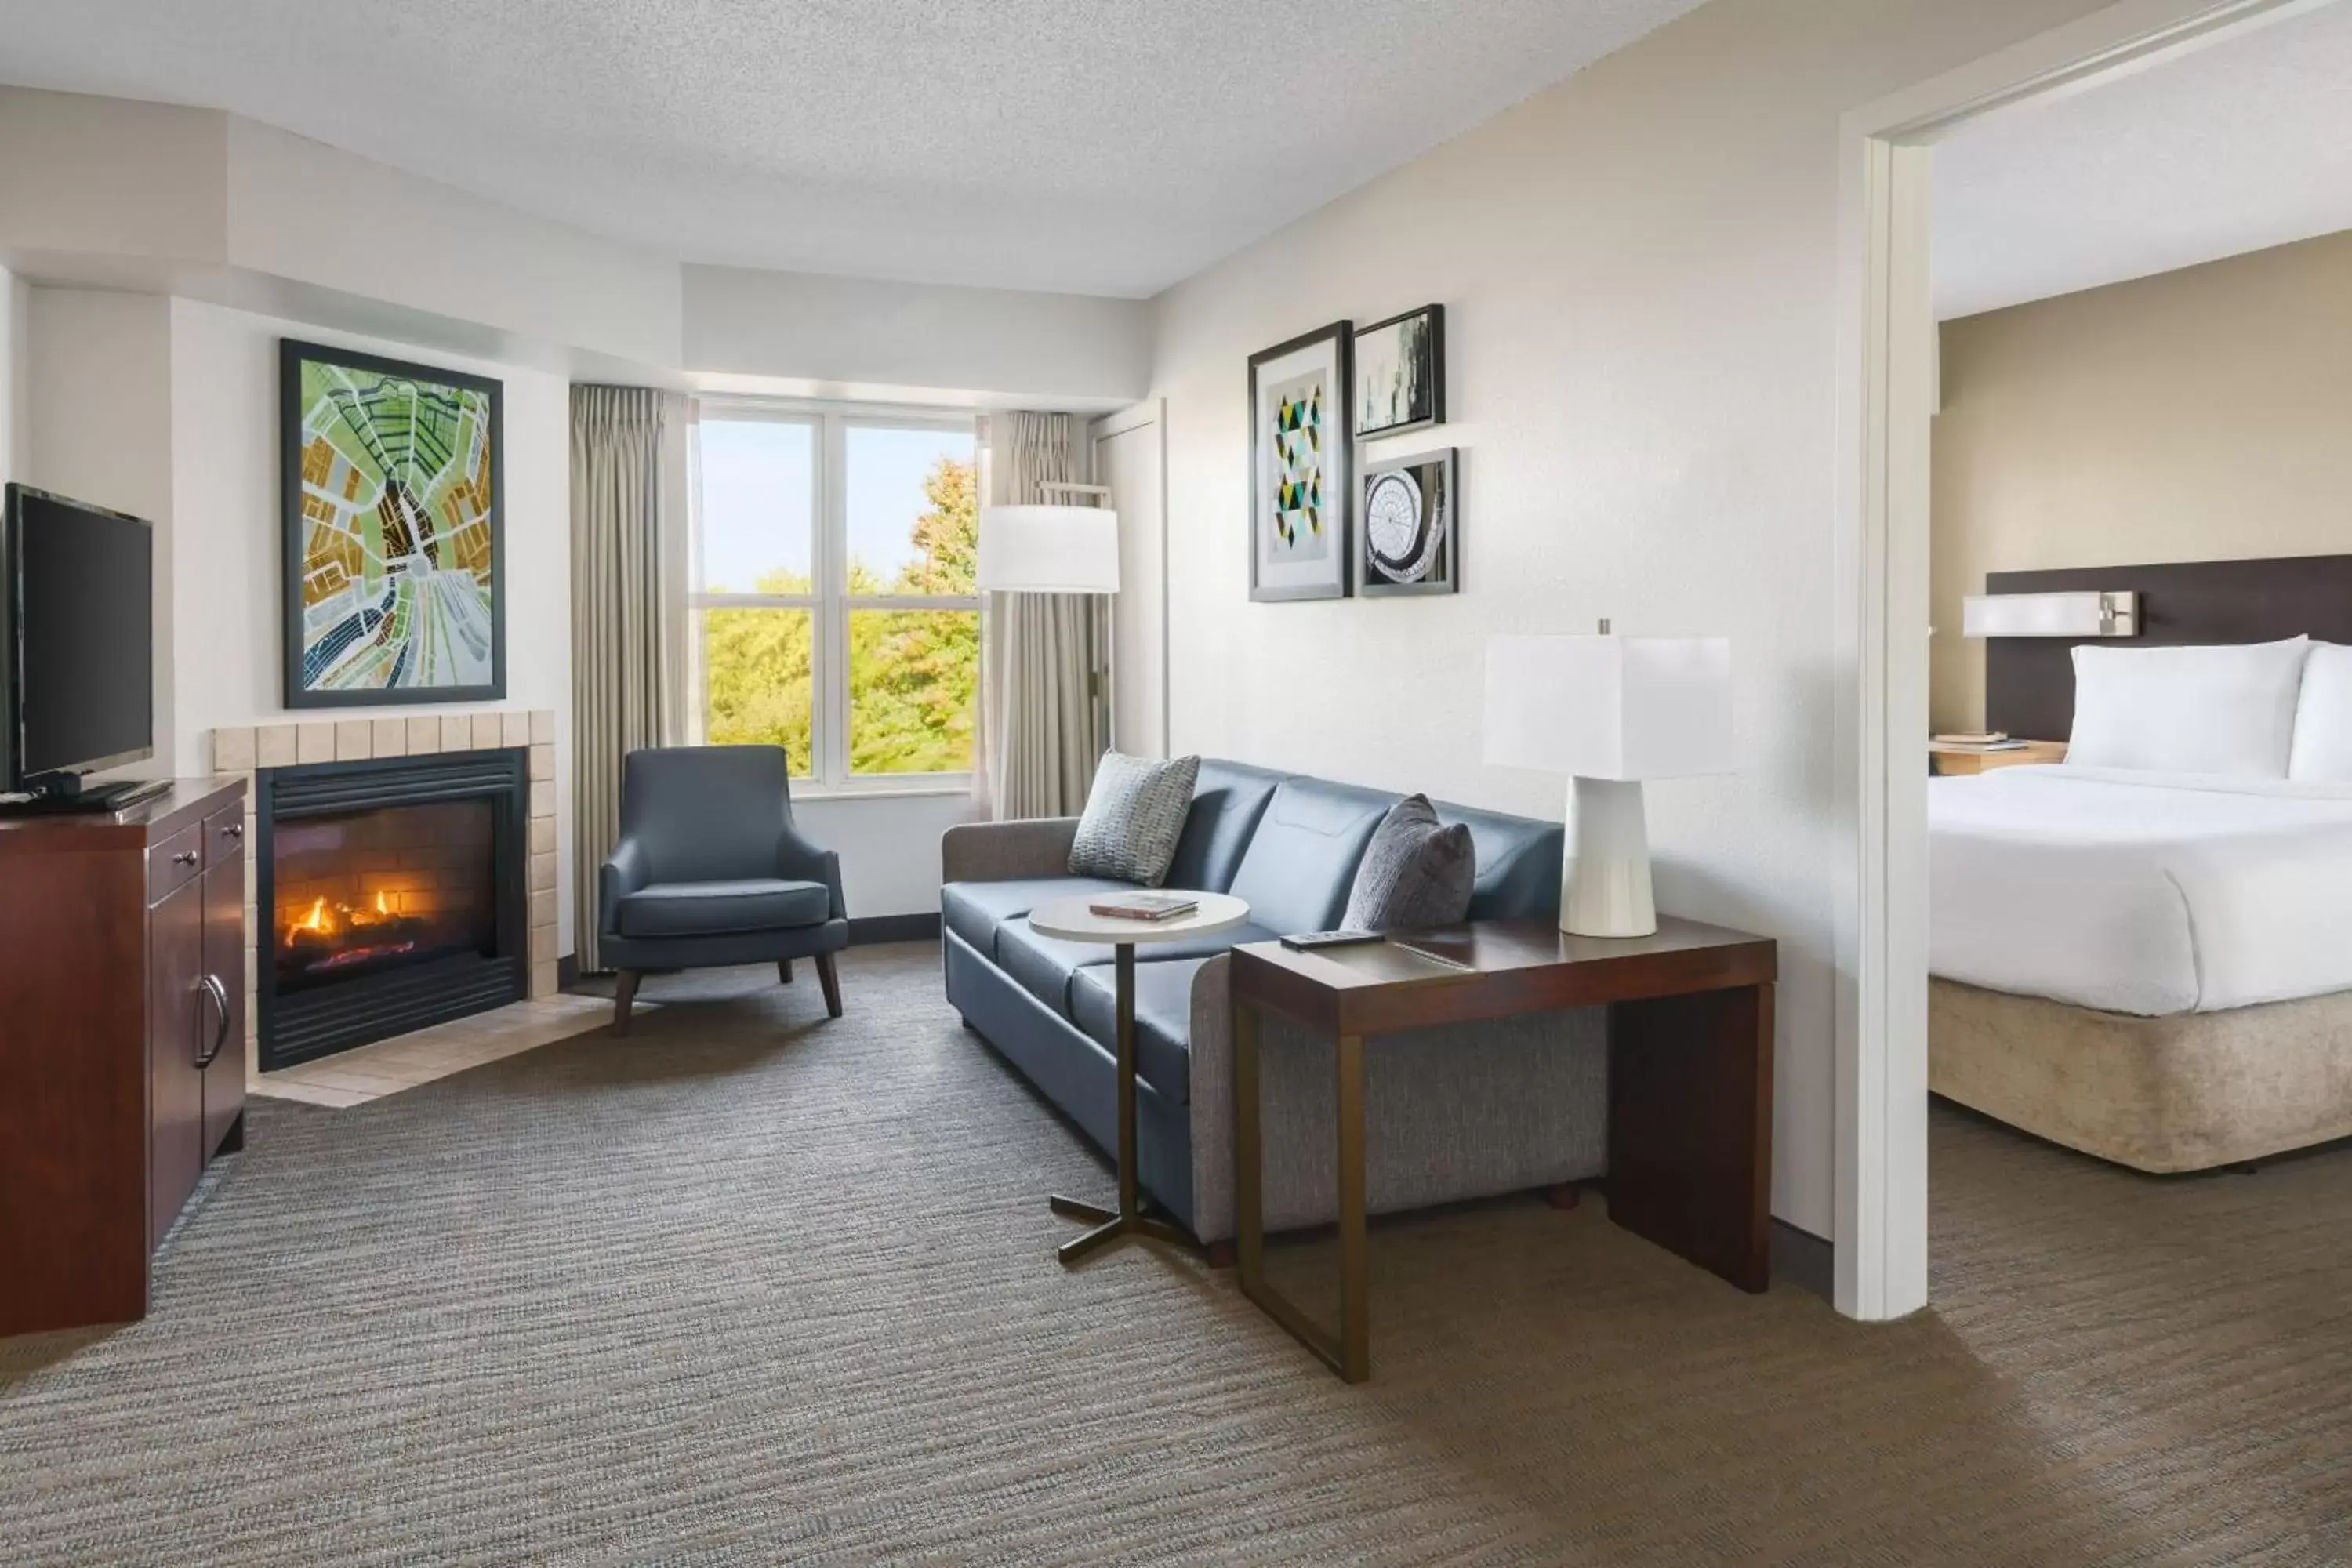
1071	919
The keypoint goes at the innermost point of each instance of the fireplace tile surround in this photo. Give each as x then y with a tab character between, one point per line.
245	749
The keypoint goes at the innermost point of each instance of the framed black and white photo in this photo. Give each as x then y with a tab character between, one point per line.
1302	475
1399	374
1410	522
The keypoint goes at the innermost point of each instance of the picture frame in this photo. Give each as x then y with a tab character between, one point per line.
392	525
1302	467
1399	374
1409	521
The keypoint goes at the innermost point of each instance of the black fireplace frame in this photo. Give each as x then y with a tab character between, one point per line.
312	1024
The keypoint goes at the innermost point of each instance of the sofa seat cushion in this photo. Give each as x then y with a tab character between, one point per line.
974	910
1043	966
716	908
1163	1019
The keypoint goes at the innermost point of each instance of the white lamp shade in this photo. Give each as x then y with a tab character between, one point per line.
1049	549
1610	707
2078	615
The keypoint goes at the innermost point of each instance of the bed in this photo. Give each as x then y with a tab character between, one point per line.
2152	962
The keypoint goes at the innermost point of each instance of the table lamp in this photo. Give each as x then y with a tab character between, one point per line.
1609	711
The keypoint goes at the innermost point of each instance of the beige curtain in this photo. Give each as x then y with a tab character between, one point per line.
627	483
1041	729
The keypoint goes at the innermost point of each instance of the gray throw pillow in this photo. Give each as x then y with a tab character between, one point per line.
1415	873
1134	815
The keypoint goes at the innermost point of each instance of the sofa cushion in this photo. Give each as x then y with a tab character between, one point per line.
1043	966
1301	861
1135	813
1415	873
1228	799
1518	863
715	909
1163	1019
974	910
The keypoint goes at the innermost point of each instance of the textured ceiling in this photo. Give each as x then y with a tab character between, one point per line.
1105	147
2240	145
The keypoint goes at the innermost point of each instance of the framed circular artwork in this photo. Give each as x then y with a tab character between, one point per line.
1408	524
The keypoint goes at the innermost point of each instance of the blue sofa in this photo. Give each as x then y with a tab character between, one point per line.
1452	1113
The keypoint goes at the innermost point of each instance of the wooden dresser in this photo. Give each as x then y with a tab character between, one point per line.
121	1042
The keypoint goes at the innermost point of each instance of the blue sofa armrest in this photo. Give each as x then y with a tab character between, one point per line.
624	872
803	861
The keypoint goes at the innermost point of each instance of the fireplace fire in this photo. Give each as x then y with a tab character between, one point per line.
363	892
394	889
334	939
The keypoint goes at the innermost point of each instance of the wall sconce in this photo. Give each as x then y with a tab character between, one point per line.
2085	615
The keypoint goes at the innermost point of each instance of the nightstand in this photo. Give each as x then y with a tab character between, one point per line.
1944	761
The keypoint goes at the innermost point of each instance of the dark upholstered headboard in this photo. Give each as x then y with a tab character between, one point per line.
2030	681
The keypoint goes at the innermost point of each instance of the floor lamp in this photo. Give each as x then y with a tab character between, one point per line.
1058	548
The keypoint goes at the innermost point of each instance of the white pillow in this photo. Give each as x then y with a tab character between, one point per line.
2228	710
2323	717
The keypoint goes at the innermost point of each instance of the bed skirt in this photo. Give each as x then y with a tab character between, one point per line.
2186	1092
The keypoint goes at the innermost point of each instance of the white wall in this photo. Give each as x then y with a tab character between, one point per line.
302	210
1639	268
98	377
224	486
889	847
842	337
111	176
16	347
2194	416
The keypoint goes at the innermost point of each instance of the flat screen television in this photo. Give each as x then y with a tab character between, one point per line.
79	645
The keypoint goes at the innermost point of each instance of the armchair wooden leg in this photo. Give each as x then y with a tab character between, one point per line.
624	991
830	978
784	971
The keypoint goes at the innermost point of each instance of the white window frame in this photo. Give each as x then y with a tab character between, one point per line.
830	606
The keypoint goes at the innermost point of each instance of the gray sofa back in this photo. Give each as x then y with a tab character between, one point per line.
1290	844
1518	863
1228	799
1301	862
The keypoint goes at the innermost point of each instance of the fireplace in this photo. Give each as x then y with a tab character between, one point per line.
390	895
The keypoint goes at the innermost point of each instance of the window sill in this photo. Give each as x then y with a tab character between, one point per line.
928	791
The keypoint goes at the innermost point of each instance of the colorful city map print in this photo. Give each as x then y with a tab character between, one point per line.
397	587
1299	520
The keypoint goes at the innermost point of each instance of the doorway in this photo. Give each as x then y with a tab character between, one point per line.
1888	384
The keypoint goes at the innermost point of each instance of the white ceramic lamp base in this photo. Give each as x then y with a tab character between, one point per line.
1604	887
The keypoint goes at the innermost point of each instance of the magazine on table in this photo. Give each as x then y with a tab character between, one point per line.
1145	906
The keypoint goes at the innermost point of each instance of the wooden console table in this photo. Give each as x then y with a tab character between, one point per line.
1690	1080
121	1042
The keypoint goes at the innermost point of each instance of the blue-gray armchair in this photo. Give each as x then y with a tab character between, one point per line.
709	870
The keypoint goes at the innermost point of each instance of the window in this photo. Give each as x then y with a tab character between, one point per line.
834	612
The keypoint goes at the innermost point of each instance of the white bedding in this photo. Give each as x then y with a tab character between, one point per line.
2137	892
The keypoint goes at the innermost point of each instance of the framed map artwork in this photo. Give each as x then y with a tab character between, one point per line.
395	529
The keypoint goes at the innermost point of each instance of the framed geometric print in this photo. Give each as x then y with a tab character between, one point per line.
395	530
1411	524
1399	372
1302	480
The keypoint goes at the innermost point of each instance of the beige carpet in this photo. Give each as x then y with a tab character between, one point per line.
750	1286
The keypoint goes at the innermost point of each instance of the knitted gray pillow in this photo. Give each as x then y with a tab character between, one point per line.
1134	815
1414	873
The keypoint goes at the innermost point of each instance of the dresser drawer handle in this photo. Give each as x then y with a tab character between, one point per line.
234	830
184	857
210	986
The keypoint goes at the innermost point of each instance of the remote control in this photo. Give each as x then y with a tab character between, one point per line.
1308	941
